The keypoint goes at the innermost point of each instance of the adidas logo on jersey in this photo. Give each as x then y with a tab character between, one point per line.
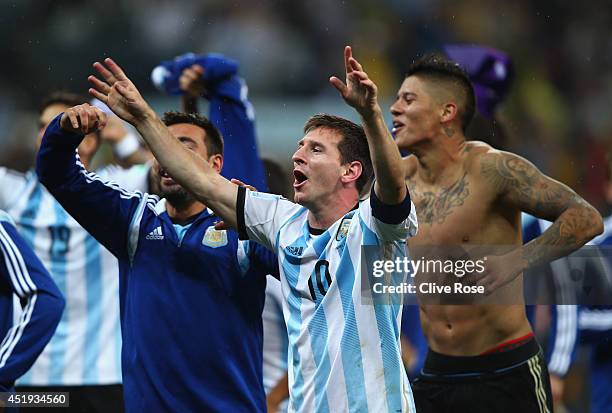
155	234
297	251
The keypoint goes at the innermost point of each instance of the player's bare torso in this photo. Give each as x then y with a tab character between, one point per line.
461	207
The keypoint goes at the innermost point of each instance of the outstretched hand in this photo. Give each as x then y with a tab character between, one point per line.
83	119
359	91
118	92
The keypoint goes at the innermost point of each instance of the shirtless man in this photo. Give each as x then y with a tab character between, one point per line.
481	357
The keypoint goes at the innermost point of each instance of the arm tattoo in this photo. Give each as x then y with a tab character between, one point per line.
522	180
523	186
433	208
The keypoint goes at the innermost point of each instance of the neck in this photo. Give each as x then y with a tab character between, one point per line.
437	155
180	214
325	214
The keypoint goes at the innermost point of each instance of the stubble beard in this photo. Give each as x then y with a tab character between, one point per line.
179	197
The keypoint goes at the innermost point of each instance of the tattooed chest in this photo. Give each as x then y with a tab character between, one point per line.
435	205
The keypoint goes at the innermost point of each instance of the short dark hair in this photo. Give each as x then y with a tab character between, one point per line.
352	147
213	139
437	67
61	97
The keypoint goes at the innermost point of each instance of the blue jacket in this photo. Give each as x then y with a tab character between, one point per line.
190	297
22	274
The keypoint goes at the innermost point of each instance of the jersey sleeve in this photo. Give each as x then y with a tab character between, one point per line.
103	208
39	297
261	215
389	222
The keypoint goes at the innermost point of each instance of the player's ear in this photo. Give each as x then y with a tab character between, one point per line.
216	161
352	172
448	112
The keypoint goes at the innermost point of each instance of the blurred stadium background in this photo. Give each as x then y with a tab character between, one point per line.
557	114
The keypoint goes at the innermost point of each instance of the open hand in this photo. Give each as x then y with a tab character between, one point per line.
358	91
119	93
83	119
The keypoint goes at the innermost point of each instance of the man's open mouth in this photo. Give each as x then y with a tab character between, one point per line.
397	126
165	178
299	178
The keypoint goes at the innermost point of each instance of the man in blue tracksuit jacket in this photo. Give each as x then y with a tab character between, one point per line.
572	325
595	324
191	296
22	274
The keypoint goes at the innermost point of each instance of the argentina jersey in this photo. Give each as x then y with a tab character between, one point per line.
344	355
86	347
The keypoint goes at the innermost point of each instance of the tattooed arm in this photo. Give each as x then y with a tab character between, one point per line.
523	186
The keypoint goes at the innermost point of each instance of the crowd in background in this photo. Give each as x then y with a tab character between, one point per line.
556	115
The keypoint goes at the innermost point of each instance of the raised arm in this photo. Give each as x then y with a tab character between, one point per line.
361	93
102	208
187	168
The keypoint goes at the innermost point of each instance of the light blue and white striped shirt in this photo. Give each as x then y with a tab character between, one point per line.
86	347
344	355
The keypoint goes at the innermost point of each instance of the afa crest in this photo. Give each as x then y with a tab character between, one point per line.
343	229
213	238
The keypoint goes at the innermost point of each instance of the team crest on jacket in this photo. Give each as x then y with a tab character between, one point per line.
214	238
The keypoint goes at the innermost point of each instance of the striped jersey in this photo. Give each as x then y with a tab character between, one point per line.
275	343
23	275
344	355
85	349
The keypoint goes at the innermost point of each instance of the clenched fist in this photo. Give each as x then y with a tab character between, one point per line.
83	119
